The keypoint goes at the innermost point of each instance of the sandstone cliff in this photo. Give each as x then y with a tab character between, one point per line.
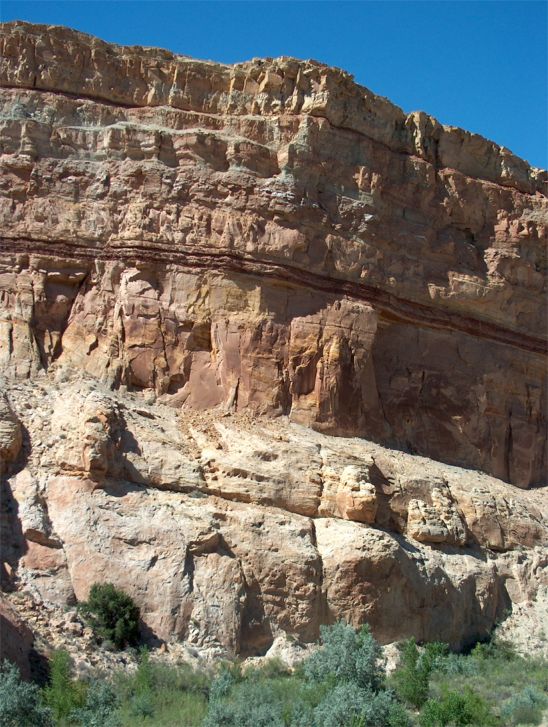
231	531
196	260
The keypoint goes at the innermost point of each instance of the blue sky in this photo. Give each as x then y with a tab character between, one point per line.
479	65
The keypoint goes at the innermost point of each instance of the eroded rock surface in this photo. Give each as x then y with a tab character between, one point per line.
231	532
271	236
207	271
16	639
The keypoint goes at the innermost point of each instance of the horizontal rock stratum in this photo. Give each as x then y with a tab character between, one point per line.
274	234
198	259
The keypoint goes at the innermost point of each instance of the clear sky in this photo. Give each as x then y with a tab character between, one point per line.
479	65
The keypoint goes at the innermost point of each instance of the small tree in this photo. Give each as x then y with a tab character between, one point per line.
112	614
413	675
63	694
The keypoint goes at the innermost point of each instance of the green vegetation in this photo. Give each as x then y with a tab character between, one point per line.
525	707
113	615
63	694
20	703
342	684
513	688
100	708
162	695
413	676
453	708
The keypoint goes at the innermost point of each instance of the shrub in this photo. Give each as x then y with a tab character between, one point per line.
347	656
398	716
20	704
436	652
459	709
223	683
100	707
141	699
161	694
345	704
526	707
340	685
248	704
494	649
458	665
112	615
63	694
413	676
348	704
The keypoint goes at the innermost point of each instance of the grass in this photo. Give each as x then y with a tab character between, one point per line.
495	673
161	695
340	685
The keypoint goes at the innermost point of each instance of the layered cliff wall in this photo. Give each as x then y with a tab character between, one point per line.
195	260
273	233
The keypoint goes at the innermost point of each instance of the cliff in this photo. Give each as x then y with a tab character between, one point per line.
196	261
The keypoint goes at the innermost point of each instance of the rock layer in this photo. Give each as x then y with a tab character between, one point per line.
229	533
271	235
205	272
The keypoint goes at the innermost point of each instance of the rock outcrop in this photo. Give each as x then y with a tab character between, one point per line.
231	532
208	271
271	236
16	639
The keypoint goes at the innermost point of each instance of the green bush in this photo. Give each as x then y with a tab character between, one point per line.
20	704
161	695
412	678
142	698
225	680
253	702
459	709
112	615
347	656
494	649
526	707
340	685
347	704
63	694
458	665
100	707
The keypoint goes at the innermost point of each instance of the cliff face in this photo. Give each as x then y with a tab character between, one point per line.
229	532
263	240
271	233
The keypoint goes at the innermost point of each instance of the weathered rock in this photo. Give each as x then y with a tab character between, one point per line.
425	524
271	236
197	263
259	528
356	498
16	639
11	436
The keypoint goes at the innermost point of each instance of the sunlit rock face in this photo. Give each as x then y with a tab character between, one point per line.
273	236
230	530
202	264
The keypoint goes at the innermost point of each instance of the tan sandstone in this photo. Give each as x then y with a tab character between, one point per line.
257	528
271	236
272	351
